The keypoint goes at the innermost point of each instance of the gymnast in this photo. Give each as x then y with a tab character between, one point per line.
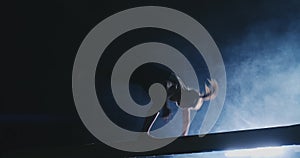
193	100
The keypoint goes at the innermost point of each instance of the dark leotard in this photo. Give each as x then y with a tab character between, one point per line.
149	74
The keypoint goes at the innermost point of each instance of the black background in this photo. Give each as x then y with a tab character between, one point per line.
40	40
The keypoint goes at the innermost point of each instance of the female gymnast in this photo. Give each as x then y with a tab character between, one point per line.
193	100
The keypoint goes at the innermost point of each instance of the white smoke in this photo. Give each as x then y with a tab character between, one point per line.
264	86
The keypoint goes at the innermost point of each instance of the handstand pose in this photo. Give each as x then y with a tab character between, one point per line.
193	100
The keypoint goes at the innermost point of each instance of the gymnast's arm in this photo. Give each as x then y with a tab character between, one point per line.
186	121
